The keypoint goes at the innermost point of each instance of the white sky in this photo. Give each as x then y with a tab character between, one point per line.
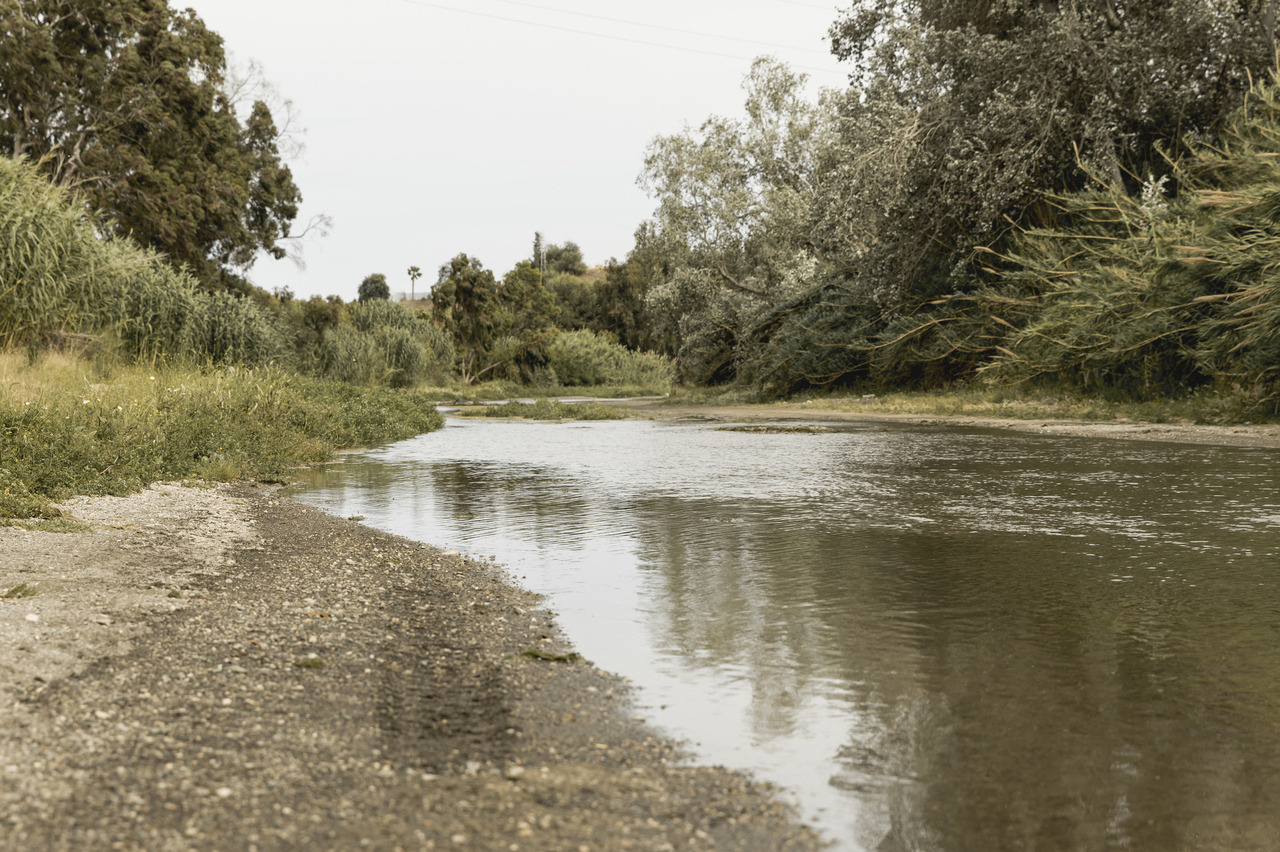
433	131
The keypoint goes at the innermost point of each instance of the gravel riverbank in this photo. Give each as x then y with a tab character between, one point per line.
220	669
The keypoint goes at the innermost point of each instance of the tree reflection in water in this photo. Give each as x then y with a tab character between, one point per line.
951	640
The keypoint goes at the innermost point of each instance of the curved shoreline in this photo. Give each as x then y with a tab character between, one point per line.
220	668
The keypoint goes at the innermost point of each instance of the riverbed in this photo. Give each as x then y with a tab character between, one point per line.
932	638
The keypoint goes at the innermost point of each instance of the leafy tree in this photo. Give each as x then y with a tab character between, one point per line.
734	218
465	303
962	121
373	287
565	259
495	326
576	299
556	259
539	258
124	101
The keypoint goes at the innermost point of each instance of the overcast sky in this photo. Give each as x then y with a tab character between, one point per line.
435	127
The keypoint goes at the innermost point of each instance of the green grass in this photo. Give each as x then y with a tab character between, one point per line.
545	656
67	429
547	409
1015	403
22	590
53	525
510	390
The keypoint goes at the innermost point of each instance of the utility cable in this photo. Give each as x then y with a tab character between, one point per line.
661	27
606	36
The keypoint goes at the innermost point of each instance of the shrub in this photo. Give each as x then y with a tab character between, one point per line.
51	264
588	358
385	344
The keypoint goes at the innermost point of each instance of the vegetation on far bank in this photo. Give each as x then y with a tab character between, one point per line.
545	409
1205	407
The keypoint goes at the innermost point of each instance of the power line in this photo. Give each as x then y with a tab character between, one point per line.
659	26
605	35
830	8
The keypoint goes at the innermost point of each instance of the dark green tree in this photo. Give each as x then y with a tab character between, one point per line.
496	326
124	101
373	287
465	303
565	259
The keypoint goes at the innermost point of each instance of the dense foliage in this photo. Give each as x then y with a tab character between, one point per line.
58	278
126	102
905	231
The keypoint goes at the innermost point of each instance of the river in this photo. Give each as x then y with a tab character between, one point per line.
932	638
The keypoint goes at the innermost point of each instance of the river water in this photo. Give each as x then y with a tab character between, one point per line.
934	639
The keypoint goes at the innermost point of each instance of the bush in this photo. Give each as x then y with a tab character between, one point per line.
52	266
588	358
385	344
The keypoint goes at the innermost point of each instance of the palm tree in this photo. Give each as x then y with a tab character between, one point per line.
414	274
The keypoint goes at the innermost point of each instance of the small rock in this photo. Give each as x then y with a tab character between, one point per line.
223	792
102	618
32	617
515	773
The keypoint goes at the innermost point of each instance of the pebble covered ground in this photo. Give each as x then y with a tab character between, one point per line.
221	669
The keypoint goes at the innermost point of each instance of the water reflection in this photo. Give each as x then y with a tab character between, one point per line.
941	640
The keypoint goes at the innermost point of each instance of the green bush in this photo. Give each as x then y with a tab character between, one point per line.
52	266
385	344
57	275
236	330
588	358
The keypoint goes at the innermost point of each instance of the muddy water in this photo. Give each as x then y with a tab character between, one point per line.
934	639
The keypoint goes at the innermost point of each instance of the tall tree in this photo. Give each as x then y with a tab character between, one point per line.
734	218
125	101
414	274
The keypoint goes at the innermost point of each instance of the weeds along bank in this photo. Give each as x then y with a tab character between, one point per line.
118	370
69	428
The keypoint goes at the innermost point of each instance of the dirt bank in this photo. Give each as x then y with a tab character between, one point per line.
1251	435
221	669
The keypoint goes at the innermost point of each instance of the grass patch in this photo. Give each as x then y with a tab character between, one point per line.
546	656
56	525
1012	402
309	663
68	428
513	390
22	590
547	409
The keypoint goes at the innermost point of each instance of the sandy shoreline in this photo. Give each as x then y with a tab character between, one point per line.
222	669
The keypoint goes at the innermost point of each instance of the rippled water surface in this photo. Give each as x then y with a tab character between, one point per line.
936	639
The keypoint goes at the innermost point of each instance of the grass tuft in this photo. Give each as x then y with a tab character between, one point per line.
548	409
22	590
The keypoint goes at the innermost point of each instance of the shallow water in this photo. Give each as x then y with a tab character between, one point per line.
936	639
